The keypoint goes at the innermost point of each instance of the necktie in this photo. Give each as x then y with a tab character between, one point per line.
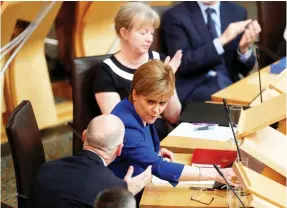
210	23
223	79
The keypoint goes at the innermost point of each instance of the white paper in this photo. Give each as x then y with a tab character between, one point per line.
219	133
205	184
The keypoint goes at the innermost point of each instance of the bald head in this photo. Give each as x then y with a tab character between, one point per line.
105	132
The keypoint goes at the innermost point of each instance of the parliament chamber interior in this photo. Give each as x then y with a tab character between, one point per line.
66	63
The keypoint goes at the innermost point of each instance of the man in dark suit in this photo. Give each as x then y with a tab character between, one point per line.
215	39
75	181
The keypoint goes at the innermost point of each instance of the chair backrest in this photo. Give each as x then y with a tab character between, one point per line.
26	146
156	45
84	103
272	19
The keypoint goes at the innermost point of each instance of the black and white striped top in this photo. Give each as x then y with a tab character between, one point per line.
115	77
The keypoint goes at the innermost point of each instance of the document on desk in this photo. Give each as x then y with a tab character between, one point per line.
204	184
218	133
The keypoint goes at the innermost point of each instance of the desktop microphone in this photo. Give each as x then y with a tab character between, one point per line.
229	186
230	123
259	75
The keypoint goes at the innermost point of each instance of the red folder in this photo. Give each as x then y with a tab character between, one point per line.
208	157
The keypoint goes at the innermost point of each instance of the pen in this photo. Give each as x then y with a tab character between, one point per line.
209	127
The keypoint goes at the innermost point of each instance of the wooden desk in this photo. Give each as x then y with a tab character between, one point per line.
246	90
161	196
179	144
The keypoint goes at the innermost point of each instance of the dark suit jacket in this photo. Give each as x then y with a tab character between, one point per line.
183	27
72	181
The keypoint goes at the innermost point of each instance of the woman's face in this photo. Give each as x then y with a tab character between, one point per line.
148	108
139	39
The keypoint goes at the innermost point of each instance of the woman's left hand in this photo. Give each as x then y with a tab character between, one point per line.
175	61
166	154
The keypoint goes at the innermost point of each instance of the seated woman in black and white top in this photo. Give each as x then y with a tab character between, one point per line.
135	23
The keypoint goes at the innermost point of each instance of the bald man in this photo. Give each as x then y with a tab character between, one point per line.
75	181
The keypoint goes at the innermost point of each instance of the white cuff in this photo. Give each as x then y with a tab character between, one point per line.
218	46
243	57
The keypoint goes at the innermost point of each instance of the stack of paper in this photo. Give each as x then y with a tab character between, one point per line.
219	133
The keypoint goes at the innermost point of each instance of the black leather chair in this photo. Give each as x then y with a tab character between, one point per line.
84	103
272	19
26	146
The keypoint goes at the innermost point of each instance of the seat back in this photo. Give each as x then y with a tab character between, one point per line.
156	45
84	103
272	19
26	146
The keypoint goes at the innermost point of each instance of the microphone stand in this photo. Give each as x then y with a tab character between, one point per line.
229	186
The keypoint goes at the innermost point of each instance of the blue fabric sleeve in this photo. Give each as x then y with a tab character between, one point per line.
137	151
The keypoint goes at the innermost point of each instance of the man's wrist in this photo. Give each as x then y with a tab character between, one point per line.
222	40
243	50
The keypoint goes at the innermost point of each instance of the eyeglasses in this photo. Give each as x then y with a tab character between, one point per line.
201	196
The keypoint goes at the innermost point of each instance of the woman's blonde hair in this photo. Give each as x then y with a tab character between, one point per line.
153	79
135	13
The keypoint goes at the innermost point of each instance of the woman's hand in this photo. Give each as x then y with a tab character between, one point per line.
166	154
175	61
229	175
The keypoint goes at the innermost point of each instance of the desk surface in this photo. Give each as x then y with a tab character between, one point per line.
246	90
161	196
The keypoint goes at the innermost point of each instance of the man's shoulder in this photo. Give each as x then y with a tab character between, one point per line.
231	6
126	112
177	11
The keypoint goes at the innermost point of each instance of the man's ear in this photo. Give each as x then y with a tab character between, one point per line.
84	135
119	149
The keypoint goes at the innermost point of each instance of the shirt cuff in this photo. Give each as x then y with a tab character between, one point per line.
218	46
243	57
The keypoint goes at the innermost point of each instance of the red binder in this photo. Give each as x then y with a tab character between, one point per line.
208	157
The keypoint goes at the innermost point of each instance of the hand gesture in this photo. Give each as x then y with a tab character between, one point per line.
137	183
249	36
229	175
233	30
166	154
175	61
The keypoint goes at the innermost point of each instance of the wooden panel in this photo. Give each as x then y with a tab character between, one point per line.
260	185
268	146
28	74
99	33
280	84
81	9
260	116
267	94
246	90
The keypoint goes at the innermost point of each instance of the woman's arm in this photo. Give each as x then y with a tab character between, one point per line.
107	101
173	108
205	174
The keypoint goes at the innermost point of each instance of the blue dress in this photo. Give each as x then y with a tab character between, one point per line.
141	147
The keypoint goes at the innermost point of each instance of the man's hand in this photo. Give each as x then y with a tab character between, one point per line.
232	31
229	175
249	36
175	61
137	183
166	154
